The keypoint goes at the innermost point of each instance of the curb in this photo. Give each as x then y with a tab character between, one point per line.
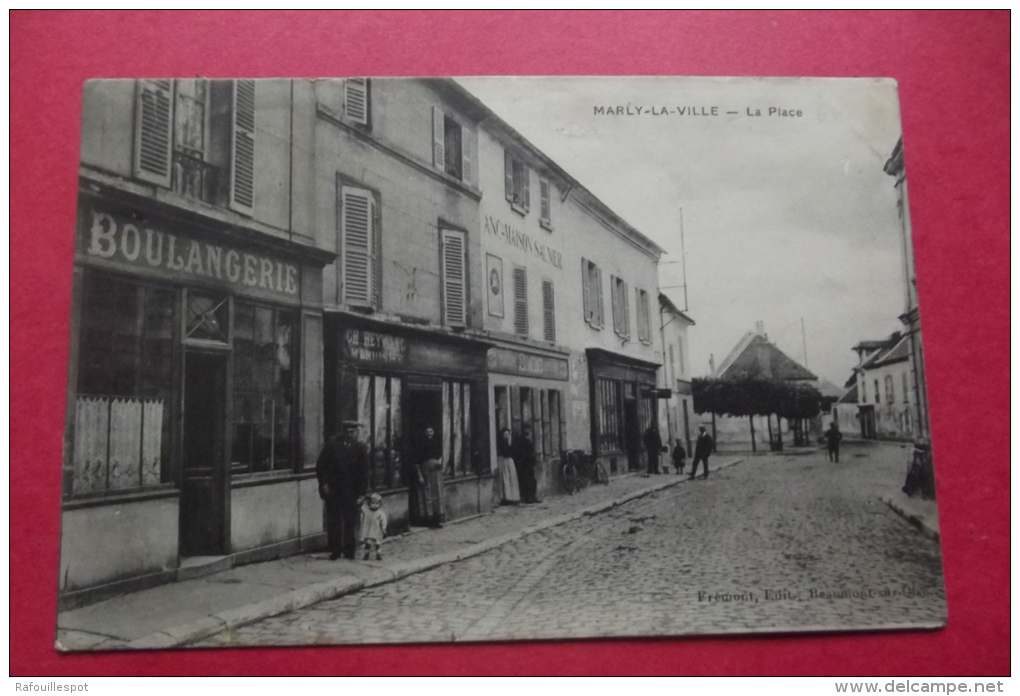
199	629
916	520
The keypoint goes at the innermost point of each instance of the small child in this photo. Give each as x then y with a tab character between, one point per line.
679	457
373	524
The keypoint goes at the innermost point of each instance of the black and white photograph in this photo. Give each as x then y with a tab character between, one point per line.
423	360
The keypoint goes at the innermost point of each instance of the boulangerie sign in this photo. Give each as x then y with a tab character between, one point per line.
589	357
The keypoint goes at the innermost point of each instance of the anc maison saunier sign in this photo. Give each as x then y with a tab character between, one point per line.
120	241
512	362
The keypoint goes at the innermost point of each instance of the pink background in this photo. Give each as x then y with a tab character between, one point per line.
953	73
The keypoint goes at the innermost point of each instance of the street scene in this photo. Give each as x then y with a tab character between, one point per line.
413	360
776	542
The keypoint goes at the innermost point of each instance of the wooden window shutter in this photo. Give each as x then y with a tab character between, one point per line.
242	147
356	100
548	311
357	211
438	138
454	285
545	204
376	255
614	291
521	301
526	188
598	296
508	175
467	155
586	290
625	301
153	131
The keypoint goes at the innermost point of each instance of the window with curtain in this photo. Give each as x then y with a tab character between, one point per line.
125	385
263	389
457	430
379	411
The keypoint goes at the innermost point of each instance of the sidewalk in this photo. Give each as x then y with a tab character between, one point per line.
184	612
923	514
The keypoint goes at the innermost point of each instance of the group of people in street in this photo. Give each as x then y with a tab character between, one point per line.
703	448
342	473
516	462
343	466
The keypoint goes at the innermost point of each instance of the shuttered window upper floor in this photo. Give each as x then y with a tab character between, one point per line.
198	138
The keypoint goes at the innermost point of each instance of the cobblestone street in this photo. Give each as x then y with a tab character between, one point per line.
777	542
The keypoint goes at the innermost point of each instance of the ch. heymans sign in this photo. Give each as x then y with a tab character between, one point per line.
121	241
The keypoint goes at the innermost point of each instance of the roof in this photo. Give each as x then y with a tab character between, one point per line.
668	305
488	117
756	357
869	346
895	349
850	397
829	390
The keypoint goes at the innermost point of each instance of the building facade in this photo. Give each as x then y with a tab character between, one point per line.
195	376
676	419
395	195
259	261
570	288
885	408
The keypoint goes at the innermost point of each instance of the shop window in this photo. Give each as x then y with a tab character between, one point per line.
360	231
516	183
890	390
191	133
609	415
356	100
263	389
454	277
621	307
548	311
521	301
591	286
125	386
380	414
457	430
644	319
545	203
502	402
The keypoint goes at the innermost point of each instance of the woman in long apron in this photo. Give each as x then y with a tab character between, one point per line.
428	497
507	469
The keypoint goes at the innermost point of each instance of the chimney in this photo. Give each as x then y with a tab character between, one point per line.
759	328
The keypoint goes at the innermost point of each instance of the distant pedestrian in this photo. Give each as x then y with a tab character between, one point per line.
373	525
342	471
653	445
832	438
524	458
507	469
679	458
702	450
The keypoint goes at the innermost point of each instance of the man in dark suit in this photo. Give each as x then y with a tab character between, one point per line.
342	470
702	449
653	445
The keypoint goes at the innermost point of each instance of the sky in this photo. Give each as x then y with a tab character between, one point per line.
785	217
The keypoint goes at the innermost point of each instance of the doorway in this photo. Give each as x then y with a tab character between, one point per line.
204	490
632	433
424	409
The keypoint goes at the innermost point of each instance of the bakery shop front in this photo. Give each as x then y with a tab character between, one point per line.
398	379
624	404
195	400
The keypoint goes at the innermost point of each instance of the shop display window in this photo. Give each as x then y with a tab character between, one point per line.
125	384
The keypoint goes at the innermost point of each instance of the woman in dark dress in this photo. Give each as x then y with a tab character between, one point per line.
428	499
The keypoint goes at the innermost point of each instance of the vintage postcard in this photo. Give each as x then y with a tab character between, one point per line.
415	360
